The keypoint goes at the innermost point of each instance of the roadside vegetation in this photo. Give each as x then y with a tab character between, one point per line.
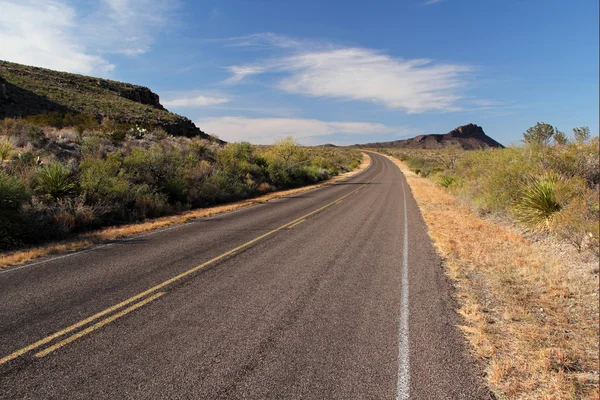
549	185
65	174
518	231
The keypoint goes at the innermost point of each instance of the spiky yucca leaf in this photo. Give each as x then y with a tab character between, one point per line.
55	181
538	205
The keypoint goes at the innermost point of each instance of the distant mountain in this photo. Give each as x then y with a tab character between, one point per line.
26	90
468	137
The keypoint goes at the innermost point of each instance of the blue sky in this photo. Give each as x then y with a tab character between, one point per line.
339	72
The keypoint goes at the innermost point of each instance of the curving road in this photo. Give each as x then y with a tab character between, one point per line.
336	293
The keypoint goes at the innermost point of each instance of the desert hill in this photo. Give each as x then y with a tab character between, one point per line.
26	91
468	137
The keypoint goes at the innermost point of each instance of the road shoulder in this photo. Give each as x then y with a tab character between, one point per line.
87	240
529	320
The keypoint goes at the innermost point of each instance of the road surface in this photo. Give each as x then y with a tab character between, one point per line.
336	293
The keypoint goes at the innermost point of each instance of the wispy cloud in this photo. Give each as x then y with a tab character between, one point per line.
430	2
266	40
194	101
127	26
353	73
65	36
268	130
242	72
44	33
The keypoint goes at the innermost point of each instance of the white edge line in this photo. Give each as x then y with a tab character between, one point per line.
403	383
5	270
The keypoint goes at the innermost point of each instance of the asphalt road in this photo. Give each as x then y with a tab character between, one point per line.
336	293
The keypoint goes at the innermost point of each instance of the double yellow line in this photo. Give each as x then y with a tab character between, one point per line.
154	291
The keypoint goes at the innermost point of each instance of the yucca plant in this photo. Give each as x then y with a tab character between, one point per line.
55	181
538	204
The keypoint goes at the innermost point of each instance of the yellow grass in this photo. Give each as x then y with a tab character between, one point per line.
530	320
112	233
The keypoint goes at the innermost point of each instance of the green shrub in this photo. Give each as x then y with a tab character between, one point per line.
578	222
6	149
103	180
423	166
13	194
55	181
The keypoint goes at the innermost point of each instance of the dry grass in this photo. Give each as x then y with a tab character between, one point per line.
530	318
112	233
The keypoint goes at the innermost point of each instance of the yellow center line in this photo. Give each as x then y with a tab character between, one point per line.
297	223
97	325
153	289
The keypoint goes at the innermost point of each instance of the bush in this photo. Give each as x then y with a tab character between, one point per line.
55	181
550	187
423	166
103	180
6	149
577	223
13	194
117	175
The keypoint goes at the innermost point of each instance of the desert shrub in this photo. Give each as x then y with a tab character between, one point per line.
59	120
55	181
117	175
424	166
286	153
97	145
13	194
103	180
544	185
493	178
6	149
160	169
22	132
148	204
578	222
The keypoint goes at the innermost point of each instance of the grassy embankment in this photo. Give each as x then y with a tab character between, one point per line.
518	230
59	184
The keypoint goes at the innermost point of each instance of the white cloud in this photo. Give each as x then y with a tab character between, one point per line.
268	130
54	34
126	26
430	2
195	101
347	73
265	40
42	33
240	73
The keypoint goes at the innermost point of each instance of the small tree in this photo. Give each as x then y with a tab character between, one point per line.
541	133
560	137
582	134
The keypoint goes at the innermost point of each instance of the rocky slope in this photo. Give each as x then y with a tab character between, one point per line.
468	137
26	90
